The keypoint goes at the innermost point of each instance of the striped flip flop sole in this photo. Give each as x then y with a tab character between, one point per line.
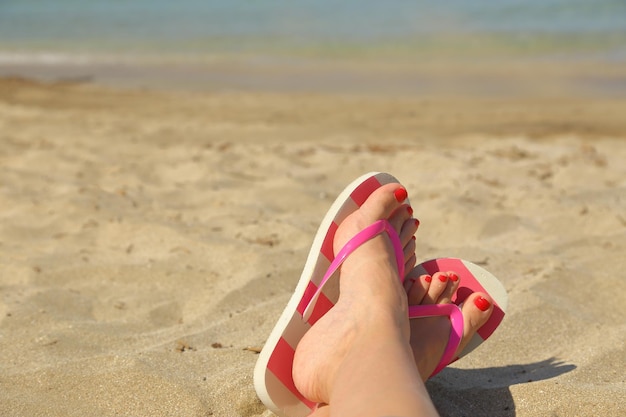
272	375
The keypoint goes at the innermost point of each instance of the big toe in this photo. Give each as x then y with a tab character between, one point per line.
477	309
386	202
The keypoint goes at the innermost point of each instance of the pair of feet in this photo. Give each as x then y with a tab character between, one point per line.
374	300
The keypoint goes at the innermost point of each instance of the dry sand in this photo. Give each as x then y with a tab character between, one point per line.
149	240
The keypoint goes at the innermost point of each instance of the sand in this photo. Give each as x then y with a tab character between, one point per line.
150	239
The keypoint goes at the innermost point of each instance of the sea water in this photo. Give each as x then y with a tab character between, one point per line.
201	27
66	32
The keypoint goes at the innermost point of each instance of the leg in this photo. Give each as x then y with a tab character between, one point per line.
358	357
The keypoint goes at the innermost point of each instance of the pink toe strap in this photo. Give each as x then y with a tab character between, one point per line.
370	232
456	331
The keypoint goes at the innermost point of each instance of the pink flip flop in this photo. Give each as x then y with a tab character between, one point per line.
272	375
473	279
315	294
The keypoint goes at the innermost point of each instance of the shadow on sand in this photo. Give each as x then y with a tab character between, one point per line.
485	392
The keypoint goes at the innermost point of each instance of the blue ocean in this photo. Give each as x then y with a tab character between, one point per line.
245	44
594	29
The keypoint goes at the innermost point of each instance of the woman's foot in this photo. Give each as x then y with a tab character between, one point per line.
429	336
372	301
367	334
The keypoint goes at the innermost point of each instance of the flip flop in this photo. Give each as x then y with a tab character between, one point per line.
315	294
473	279
272	375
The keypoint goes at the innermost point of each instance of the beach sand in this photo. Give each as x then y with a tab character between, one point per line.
150	239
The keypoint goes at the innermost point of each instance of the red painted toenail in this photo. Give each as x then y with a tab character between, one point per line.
482	303
410	210
413	237
400	194
417	223
428	278
443	277
453	277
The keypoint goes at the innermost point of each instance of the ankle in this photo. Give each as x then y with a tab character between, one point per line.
379	321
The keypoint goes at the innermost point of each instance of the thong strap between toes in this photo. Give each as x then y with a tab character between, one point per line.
453	312
370	232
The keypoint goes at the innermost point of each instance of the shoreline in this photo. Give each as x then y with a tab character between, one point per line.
539	77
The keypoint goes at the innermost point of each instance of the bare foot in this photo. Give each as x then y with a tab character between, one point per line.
429	336
367	333
372	301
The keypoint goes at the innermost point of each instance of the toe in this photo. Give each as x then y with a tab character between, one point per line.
437	287
407	231
384	202
409	250
417	288
476	311
407	238
452	285
400	221
410	261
